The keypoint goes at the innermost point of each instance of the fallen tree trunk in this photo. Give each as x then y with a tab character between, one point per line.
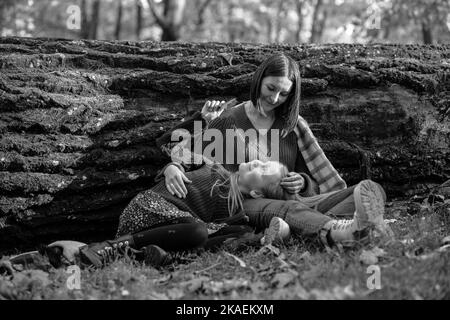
78	120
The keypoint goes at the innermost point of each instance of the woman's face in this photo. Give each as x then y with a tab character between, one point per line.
274	92
254	175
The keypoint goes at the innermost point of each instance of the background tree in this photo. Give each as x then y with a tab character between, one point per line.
171	18
90	19
119	19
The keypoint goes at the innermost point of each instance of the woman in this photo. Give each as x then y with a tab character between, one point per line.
155	220
273	113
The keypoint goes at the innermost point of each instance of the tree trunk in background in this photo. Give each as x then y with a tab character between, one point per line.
84	32
387	26
322	22
278	19
119	19
269	29
230	28
427	33
299	5
171	20
201	12
139	20
95	17
315	26
79	119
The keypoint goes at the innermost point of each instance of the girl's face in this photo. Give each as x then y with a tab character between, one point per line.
274	92
254	175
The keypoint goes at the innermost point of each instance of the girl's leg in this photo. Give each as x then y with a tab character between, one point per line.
368	202
174	237
302	220
218	238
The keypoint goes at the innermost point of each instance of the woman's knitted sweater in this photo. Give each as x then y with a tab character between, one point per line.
248	150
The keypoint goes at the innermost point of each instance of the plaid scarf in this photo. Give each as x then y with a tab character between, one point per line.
318	164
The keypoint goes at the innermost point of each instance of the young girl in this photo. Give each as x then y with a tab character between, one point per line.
156	221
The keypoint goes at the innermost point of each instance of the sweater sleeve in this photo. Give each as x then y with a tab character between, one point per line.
165	142
189	152
311	187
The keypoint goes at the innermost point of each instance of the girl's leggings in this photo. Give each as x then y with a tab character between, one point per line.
185	234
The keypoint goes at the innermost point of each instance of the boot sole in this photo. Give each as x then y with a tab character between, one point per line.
370	203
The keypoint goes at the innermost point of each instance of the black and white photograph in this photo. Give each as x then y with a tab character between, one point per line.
230	157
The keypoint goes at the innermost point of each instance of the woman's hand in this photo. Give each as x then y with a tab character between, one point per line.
175	179
293	182
212	110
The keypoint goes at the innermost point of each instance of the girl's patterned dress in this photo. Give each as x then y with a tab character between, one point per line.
156	205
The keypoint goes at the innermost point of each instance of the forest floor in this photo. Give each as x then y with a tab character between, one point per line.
414	265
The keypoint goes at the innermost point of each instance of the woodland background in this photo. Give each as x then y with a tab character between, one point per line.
255	21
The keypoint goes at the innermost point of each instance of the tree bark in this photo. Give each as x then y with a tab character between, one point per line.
79	119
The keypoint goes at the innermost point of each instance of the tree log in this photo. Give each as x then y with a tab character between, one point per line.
79	119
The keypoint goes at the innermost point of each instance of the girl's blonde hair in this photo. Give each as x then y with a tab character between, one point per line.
228	188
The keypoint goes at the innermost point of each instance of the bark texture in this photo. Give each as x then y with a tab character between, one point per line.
78	120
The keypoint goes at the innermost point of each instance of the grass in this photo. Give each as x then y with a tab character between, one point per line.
411	267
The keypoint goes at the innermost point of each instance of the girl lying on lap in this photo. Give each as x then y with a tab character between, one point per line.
156	221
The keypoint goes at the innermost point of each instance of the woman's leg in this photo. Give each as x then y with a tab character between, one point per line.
338	204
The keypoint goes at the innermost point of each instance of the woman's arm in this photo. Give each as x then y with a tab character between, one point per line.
184	154
191	131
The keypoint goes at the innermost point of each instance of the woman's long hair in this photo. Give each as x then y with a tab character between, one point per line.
227	187
280	65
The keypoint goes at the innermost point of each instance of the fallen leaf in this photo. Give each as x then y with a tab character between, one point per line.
446	240
338	293
227	56
163	279
284	278
257	287
175	293
30	277
271	248
194	284
226	285
305	255
241	263
371	256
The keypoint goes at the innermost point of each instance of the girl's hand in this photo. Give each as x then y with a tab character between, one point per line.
175	179
293	183
212	110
